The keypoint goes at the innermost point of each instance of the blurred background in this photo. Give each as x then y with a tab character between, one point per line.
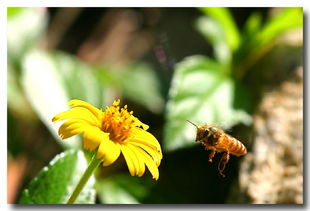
240	69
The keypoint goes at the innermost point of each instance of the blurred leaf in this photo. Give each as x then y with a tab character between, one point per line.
252	25
225	19
55	183
44	89
25	26
214	33
141	85
48	87
123	189
200	92
137	82
79	79
284	20
259	43
251	28
16	98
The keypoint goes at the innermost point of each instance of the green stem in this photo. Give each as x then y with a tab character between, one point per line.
94	163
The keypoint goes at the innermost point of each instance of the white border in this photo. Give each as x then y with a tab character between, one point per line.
3	107
119	3
153	3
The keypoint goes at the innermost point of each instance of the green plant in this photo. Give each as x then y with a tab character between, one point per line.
211	90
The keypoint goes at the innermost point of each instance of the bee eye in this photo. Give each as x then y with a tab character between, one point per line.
206	132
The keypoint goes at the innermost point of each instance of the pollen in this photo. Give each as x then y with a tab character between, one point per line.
118	122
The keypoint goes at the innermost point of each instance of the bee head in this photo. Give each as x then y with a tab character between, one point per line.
203	132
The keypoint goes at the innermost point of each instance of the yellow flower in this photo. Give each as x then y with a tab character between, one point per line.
112	132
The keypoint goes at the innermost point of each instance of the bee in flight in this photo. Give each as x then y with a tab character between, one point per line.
216	140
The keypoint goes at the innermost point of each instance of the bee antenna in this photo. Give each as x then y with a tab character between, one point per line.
192	123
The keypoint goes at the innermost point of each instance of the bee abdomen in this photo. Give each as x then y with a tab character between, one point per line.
236	147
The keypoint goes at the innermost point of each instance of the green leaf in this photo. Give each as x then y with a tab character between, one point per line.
45	92
225	19
214	33
55	183
140	84
137	82
79	79
123	189
262	39
50	80
286	19
203	93
252	25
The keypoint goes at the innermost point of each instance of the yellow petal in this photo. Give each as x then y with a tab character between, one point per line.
145	137
78	113
92	138
156	156
137	159
129	159
145	143
71	128
149	163
109	151
80	103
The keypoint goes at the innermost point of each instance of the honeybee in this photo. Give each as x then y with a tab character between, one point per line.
216	140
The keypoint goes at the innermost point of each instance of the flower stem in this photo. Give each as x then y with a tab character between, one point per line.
94	163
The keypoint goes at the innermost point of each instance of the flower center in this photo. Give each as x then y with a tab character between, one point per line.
118	122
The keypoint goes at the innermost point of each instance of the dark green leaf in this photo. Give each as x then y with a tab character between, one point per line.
123	189
55	183
252	25
203	93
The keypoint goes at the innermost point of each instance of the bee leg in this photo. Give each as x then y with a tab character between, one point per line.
224	160
211	155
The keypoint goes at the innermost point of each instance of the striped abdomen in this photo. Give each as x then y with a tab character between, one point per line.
232	145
